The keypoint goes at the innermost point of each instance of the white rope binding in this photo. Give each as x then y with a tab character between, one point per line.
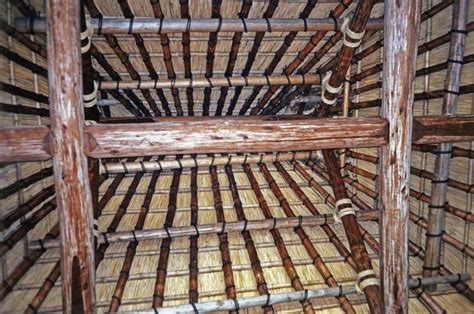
91	99
87	34
362	284
338	214
349	34
326	87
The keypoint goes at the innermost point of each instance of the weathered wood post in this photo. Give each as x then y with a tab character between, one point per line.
69	162
399	65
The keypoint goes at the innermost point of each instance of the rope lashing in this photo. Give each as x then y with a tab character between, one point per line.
338	214
325	86
91	99
361	284
349	34
96	228
87	34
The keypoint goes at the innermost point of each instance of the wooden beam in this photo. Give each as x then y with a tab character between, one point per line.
144	25
399	66
69	162
188	135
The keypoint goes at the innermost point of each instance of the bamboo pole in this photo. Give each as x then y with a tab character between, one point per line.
23	39
289	38
143	25
210	54
69	162
127	12
25	182
184	7
401	35
33	67
312	252
456	151
230	289
132	246
226	81
440	178
277	298
158	295
280	244
313	42
18	91
270	10
193	241
21	109
190	162
168	60
249	243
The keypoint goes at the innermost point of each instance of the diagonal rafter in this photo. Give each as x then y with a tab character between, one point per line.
184	7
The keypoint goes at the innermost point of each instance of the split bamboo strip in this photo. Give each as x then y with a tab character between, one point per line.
167	58
184	6
211	49
21	109
161	25
23	39
249	243
312	252
28	261
280	244
132	247
282	50
440	177
230	289
127	12
208	82
53	276
114	44
234	50
193	241
158	295
373	48
356	243
272	6
313	42
456	151
25	182
33	67
131	167
306	295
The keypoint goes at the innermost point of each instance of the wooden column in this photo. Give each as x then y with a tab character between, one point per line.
399	65
439	183
69	162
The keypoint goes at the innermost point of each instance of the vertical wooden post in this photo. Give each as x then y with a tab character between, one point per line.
69	162
399	65
439	184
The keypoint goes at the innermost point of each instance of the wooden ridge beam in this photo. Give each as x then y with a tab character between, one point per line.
218	135
143	25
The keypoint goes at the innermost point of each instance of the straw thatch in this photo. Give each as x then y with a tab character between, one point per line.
212	266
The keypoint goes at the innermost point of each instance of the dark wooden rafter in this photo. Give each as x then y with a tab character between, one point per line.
132	246
184	7
124	59
230	289
456	151
69	162
193	245
278	55
21	92
440	178
146	60
22	109
23	39
244	12
159	291
211	48
91	112
280	244
249	243
33	67
302	54
25	182
283	101
25	9
316	257
167	57
272	6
